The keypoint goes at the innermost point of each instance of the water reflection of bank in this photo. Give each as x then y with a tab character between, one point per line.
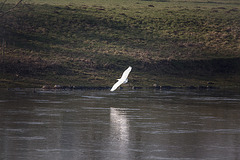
145	125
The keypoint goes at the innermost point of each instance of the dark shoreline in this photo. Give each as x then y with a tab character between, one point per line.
130	87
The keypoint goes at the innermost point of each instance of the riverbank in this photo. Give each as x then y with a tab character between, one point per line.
172	43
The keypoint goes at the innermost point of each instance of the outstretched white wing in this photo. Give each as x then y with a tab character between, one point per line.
126	73
122	79
116	85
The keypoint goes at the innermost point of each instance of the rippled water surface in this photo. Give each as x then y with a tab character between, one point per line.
124	125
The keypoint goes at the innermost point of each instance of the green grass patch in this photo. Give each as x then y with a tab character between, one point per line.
90	43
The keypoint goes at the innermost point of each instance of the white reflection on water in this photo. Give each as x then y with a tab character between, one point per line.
119	125
119	131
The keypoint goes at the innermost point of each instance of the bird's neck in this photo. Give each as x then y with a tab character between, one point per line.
125	81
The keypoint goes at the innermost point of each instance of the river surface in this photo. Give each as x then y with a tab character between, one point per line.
121	125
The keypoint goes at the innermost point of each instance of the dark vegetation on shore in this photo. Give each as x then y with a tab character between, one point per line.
90	45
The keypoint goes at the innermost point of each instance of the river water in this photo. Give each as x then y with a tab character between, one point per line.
121	125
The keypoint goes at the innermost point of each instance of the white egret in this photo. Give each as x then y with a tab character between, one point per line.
123	79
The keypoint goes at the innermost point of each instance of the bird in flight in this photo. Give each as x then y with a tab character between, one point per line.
123	79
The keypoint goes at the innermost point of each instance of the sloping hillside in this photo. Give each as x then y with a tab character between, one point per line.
178	43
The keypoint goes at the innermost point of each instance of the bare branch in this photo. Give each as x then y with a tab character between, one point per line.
3	5
11	9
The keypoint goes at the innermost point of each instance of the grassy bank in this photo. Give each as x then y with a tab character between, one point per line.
175	42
